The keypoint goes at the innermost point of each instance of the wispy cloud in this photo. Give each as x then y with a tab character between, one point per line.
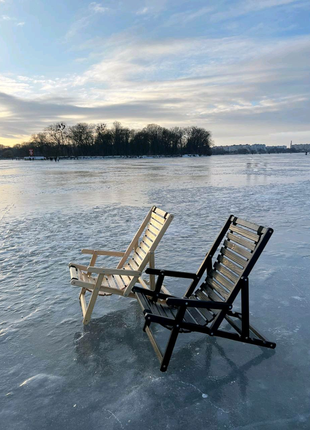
189	15
152	8
143	11
248	6
12	19
98	8
88	15
77	26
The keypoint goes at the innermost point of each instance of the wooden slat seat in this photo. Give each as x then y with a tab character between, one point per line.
139	255
191	316
114	283
206	305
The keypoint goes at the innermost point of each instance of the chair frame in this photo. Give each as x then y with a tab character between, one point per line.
246	334
97	287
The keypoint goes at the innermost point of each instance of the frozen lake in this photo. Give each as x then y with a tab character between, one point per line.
56	374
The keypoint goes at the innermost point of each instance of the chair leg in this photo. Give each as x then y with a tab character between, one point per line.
169	349
172	339
83	301
245	309
152	266
146	324
92	300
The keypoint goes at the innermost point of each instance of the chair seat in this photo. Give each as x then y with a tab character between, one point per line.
193	316
111	281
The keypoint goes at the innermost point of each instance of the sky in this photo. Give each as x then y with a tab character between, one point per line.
238	68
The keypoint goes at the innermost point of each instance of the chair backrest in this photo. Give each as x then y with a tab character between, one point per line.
242	243
146	239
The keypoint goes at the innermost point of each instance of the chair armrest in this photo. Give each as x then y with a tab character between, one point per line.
198	303
104	271
103	252
171	273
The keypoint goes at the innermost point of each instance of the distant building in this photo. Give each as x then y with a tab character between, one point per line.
35	157
301	147
256	148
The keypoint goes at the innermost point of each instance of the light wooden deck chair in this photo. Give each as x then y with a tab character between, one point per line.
128	272
205	307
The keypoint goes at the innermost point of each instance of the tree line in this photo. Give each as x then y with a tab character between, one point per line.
60	140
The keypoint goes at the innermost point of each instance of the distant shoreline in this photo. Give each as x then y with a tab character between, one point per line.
143	157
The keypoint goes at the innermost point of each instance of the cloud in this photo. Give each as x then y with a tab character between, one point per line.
187	16
87	16
15	86
230	10
97	8
248	6
20	24
143	11
77	26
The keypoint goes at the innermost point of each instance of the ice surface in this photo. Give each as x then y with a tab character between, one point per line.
56	374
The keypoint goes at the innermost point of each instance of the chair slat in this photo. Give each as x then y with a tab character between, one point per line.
232	266
171	313
160	212
106	282
207	313
112	282
230	275
215	287
238	249
211	293
126	279
141	251
158	218
153	230
144	246
118	280
234	257
132	265
199	319
223	281
244	242
247	224
156	309
164	310
188	317
154	225
139	256
246	233
148	241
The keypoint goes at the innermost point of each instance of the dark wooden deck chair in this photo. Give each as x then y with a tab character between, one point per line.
209	302
121	279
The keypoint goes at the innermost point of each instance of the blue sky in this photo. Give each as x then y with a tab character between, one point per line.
240	69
